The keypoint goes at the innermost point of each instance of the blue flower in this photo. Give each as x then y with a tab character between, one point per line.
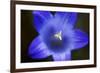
57	35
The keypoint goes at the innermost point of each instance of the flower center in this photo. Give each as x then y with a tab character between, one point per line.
56	41
58	35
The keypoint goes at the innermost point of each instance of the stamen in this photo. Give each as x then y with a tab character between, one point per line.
58	35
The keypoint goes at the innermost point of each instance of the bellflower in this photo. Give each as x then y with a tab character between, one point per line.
57	35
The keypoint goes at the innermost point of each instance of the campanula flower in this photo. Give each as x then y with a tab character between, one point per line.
57	35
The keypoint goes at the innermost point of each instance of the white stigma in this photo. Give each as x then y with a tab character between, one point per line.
58	35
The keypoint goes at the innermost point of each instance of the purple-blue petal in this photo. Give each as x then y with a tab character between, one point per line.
66	18
62	56
80	39
40	18
37	49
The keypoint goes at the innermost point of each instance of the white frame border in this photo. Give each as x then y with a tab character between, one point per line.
51	64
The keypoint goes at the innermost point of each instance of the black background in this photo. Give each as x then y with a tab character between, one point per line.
28	33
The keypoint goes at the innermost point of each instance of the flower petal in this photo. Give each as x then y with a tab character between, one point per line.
40	17
62	56
80	39
66	18
37	49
